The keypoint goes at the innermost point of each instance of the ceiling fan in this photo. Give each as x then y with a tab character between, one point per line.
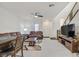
37	14
51	5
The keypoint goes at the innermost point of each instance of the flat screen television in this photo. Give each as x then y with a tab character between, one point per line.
68	30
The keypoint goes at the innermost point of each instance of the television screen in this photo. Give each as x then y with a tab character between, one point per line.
64	30
71	33
68	30
71	27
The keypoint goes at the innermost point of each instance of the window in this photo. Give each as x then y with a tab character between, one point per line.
36	27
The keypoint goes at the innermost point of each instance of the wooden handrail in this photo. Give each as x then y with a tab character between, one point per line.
70	13
73	16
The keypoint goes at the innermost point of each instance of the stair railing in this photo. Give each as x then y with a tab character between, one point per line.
70	14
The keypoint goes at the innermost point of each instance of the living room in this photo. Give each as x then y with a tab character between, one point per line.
38	29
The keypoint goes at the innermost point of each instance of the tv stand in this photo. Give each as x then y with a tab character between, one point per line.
69	43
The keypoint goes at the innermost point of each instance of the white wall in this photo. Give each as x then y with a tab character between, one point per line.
29	24
8	22
46	27
76	20
11	23
50	25
60	18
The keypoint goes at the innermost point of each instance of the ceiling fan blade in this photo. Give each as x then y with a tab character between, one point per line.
40	16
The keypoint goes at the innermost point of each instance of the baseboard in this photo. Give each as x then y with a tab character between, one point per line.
53	38
46	37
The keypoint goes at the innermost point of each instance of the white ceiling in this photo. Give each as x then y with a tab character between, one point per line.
23	10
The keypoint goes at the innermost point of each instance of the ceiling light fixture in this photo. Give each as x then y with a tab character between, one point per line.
50	5
35	16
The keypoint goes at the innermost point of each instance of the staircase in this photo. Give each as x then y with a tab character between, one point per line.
71	15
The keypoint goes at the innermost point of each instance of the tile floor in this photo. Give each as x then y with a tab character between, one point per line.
50	48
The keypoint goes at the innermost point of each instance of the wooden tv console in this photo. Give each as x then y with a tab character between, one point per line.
68	42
